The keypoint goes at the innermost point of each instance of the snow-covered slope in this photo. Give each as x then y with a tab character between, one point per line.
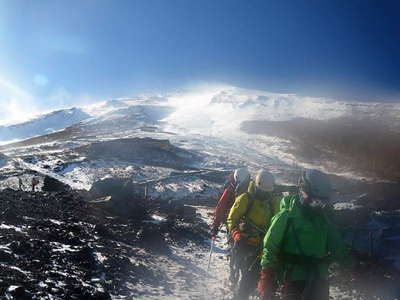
102	108
123	120
137	114
43	124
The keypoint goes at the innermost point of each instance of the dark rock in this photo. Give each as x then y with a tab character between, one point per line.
51	184
85	257
116	187
6	256
119	198
380	196
19	293
153	239
20	247
74	249
187	212
10	215
365	200
127	208
179	210
349	214
96	295
103	231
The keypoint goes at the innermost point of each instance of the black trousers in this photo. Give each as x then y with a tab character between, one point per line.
249	267
317	289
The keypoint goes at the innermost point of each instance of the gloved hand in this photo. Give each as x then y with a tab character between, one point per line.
236	235
266	285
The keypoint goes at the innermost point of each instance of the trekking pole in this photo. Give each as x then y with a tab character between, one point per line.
263	231
211	251
234	268
254	262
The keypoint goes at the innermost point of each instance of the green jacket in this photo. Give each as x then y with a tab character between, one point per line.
299	246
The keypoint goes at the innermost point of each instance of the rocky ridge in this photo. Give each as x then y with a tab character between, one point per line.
64	245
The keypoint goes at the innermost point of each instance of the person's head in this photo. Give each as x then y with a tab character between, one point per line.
264	184
315	189
241	178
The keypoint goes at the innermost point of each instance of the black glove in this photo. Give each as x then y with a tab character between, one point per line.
214	231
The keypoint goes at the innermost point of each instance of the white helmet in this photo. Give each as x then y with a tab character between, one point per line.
241	175
264	181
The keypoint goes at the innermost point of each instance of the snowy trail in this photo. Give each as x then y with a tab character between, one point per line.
194	281
184	271
215	283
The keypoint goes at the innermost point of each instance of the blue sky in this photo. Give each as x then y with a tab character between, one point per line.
55	52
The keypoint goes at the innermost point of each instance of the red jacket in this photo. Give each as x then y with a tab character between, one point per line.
224	204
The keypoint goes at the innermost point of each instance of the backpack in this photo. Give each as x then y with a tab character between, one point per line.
246	225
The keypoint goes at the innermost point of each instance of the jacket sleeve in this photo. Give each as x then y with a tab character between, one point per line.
273	240
222	206
237	211
337	247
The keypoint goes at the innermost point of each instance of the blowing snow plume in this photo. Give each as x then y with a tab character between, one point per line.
220	110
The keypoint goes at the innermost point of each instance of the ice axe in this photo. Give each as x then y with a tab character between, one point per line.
211	251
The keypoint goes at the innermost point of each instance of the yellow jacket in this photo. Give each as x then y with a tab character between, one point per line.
259	215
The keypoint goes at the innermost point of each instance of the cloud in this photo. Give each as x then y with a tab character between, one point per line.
16	104
61	97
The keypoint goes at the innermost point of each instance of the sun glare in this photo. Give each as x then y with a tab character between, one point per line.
17	104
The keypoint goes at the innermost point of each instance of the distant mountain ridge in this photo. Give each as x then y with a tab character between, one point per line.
220	111
43	124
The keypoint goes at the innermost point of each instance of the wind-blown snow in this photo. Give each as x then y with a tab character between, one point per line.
220	110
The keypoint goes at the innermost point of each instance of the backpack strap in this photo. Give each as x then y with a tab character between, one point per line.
250	203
